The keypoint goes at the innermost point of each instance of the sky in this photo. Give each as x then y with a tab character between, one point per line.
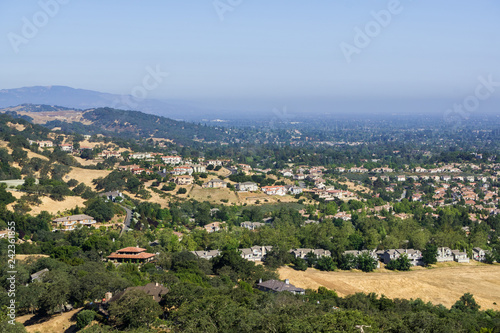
242	54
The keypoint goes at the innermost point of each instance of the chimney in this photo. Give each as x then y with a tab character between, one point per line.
157	284
260	280
287	281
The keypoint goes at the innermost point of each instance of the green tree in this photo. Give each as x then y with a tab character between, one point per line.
430	254
402	263
466	303
83	318
366	262
135	309
326	264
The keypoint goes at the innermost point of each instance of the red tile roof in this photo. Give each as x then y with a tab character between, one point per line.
143	255
131	249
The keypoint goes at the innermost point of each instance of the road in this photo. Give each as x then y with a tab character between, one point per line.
128	219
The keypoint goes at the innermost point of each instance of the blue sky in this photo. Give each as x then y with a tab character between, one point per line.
263	53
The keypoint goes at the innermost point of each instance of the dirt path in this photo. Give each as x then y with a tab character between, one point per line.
443	285
60	323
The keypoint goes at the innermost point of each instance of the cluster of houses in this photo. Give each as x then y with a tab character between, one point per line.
257	253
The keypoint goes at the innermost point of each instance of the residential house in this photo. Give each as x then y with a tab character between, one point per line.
171	159
294	190
255	253
460	256
478	254
215	183
206	254
42	144
183	180
183	170
415	256
214	162
279	286
301	253
444	254
199	168
274	190
66	147
134	255
343	215
251	225
155	290
214	226
112	195
39	275
69	223
247	187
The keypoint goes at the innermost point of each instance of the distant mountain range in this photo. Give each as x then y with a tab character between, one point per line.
86	99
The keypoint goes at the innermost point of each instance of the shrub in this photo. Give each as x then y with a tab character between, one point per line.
84	318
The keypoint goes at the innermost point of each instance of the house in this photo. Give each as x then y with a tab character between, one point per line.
183	180
459	256
154	290
112	195
415	256
247	187
478	254
255	253
135	255
42	144
401	178
183	170
171	159
215	183
251	225
274	190
39	275
66	147
343	215
444	254
279	286
301	253
206	254
199	168
69	223
294	190
213	227
214	162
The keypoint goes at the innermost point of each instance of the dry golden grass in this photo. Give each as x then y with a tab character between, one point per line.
22	257
355	187
59	323
4	144
49	205
442	285
214	195
18	127
86	176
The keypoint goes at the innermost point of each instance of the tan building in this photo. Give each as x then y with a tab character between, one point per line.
69	223
215	183
184	180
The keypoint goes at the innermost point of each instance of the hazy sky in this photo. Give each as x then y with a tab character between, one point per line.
242	51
